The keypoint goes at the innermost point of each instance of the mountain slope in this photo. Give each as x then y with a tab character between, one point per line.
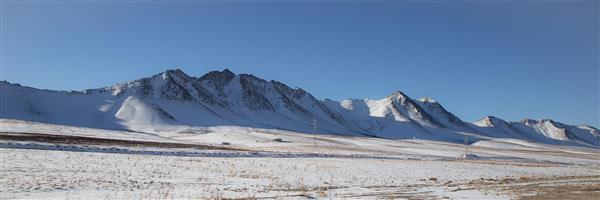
173	101
444	118
544	130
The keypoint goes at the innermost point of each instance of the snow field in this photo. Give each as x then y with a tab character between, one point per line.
61	174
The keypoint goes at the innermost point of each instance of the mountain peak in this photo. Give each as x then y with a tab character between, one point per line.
174	71
228	72
168	74
218	76
490	121
398	95
492	118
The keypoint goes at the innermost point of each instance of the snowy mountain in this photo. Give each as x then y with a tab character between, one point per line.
544	130
173	101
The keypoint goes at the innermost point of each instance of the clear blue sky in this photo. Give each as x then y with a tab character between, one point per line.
512	60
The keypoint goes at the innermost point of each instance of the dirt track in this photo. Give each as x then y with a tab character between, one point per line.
79	140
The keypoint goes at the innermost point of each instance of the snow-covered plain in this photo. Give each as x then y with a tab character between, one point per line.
269	163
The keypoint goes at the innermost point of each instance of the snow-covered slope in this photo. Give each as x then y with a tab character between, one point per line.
442	117
173	101
544	130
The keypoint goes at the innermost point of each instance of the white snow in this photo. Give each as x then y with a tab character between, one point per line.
172	101
312	166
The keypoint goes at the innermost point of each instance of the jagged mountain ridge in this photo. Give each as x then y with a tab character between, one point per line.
173	101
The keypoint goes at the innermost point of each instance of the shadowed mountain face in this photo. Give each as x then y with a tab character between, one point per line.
173	101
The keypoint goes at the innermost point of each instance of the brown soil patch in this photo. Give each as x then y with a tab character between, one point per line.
80	140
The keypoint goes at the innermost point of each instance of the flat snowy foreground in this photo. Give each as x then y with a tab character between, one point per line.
62	174
278	164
